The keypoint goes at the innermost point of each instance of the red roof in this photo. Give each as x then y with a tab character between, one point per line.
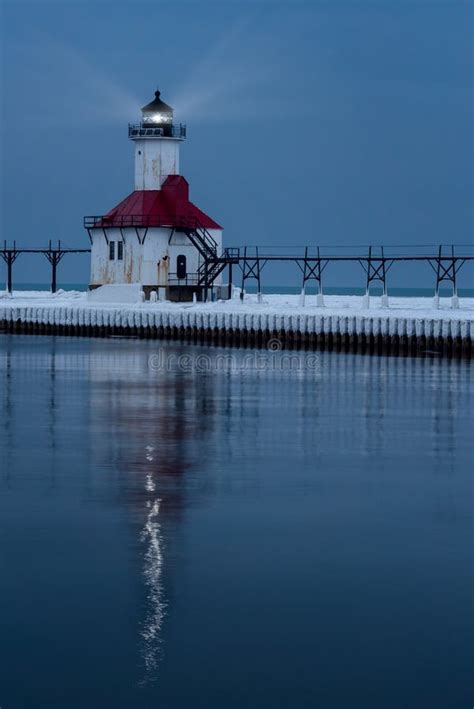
169	206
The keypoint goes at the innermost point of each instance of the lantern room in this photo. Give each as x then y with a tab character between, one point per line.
157	122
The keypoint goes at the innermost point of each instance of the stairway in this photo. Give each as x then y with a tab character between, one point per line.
211	266
209	270
202	241
213	263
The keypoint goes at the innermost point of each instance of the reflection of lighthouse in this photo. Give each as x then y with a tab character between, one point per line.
155	237
156	417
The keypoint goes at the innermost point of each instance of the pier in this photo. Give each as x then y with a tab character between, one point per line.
397	326
407	327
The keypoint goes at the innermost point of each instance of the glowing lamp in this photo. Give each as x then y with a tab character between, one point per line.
157	112
159	118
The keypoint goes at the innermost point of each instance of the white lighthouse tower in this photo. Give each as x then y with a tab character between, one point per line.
157	143
156	238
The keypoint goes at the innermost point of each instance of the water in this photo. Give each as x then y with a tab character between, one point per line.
47	286
215	533
293	290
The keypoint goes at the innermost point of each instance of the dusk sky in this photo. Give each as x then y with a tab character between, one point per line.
308	122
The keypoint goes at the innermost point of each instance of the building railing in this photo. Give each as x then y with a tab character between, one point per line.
145	130
191	279
141	220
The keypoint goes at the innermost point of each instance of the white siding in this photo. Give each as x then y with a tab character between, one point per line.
155	159
148	263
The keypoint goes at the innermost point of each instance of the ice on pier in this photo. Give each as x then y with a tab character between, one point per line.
337	313
116	293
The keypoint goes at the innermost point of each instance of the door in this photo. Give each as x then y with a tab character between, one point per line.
181	271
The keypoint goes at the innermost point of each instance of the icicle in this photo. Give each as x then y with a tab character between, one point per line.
302	298
366	301
259	297
384	300
142	296
455	301
153	296
195	297
436	301
320	300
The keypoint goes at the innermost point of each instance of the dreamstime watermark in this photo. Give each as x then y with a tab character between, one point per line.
271	359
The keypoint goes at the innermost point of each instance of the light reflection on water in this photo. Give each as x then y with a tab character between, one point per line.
151	537
348	482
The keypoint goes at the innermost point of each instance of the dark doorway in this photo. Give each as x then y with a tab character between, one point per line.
181	271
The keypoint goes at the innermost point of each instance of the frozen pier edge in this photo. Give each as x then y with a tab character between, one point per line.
408	326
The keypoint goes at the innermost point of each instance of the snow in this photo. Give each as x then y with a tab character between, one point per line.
116	293
340	313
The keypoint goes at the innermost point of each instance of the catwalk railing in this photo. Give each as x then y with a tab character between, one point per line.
376	261
54	254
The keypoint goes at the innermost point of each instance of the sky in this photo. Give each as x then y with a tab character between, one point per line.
330	123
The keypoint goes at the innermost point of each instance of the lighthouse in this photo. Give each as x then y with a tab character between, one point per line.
157	142
156	238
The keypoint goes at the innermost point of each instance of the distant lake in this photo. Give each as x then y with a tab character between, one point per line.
233	529
288	290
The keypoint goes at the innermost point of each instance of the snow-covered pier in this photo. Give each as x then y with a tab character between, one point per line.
404	326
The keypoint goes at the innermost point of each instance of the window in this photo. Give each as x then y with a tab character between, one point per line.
111	250
181	267
120	250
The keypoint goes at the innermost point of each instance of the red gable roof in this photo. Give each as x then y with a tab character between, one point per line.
169	206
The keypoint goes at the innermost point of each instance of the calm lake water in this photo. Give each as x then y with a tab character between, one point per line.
215	533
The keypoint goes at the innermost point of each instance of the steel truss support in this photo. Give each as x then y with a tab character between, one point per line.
205	275
312	268
229	292
54	256
446	268
252	268
10	256
376	267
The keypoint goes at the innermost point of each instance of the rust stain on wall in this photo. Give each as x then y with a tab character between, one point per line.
163	269
129	267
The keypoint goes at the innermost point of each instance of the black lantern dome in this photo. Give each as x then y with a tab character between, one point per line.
157	122
157	112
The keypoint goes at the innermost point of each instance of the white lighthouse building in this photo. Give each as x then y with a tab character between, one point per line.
156	237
